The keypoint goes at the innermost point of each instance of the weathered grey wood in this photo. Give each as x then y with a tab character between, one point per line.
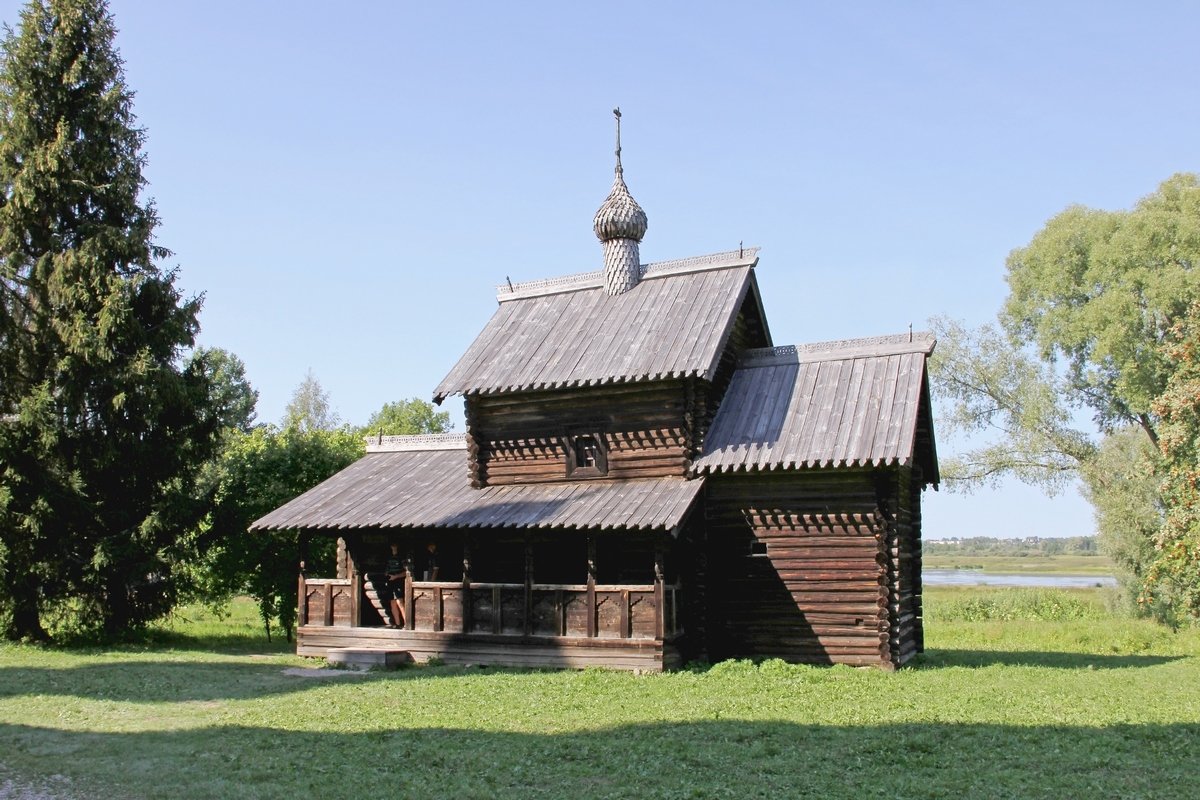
525	345
839	406
427	489
367	657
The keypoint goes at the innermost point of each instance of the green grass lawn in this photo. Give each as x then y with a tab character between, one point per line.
1041	564
1012	699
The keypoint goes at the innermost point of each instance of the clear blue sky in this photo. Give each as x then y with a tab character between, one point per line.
346	184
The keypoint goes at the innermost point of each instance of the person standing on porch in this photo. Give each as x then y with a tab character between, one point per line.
431	565
394	589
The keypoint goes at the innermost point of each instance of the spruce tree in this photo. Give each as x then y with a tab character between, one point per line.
101	428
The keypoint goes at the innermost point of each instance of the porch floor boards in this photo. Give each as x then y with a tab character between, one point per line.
646	655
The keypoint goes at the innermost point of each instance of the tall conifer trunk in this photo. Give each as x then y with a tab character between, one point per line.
25	621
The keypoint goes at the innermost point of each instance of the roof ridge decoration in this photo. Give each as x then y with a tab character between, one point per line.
894	344
768	356
620	223
412	442
742	257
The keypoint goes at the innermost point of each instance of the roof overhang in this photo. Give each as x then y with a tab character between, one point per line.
427	488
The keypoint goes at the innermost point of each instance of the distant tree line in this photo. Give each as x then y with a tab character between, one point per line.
131	462
1028	546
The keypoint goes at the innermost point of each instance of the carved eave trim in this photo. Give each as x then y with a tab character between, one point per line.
744	257
768	356
428	441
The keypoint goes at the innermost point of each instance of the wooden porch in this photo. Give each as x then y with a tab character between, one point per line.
623	626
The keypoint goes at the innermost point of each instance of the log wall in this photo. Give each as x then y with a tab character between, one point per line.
815	566
523	437
904	566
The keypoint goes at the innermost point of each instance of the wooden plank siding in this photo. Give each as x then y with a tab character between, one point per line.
817	566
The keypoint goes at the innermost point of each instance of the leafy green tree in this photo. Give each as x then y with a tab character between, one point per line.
1098	291
259	471
996	390
407	417
1094	299
1121	482
309	408
233	399
1174	574
100	426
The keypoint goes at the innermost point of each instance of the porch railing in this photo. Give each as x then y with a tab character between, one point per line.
326	601
612	611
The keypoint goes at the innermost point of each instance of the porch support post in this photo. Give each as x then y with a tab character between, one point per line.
343	568
591	585
409	622
528	585
660	593
328	605
466	583
302	596
356	587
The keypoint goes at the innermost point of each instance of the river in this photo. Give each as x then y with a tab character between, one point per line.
974	577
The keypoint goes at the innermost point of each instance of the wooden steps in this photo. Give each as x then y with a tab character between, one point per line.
367	657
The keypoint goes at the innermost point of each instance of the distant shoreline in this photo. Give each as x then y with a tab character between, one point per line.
1031	564
970	577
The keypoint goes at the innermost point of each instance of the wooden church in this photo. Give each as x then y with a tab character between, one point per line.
646	479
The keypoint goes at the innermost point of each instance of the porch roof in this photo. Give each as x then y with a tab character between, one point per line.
428	488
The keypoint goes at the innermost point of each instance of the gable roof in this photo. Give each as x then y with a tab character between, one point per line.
568	331
421	482
857	402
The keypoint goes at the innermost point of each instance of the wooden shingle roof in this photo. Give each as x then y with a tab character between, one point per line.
423	484
851	403
568	332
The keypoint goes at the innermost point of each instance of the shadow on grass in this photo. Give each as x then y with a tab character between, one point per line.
663	760
198	681
939	658
156	681
225	644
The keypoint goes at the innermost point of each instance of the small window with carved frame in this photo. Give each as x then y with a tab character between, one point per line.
587	455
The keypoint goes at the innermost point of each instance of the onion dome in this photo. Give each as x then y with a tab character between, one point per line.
620	217
620	224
